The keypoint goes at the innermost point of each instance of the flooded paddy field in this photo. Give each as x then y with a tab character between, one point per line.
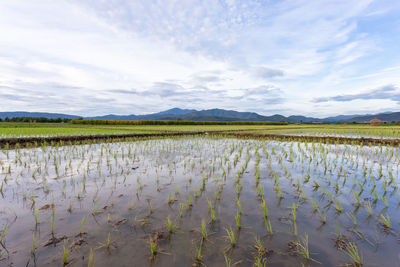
201	201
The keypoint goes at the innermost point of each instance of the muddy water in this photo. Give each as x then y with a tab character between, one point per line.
124	190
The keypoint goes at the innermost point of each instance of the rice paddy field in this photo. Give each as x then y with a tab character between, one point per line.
16	130
202	200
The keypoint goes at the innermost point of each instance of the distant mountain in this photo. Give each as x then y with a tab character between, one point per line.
171	114
227	115
302	119
214	115
341	117
14	114
386	117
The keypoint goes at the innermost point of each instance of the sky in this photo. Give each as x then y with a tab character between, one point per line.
298	57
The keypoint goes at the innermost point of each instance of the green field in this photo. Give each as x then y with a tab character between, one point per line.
15	130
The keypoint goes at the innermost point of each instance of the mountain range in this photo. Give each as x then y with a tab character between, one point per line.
213	115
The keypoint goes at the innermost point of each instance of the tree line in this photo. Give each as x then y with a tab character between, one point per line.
34	120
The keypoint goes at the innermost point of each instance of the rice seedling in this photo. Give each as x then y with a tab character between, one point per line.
293	208
314	204
91	258
203	229
238	220
357	198
199	252
338	206
368	208
303	248
239	205
212	212
269	228
170	226
82	224
65	256
153	247
180	208
265	208
323	218
385	221
231	237
353	219
33	248
352	251
228	261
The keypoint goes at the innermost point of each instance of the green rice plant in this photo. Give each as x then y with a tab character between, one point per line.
3	234
260	191
314	204
279	190
303	248
329	196
352	252
228	261
338	232
52	220
153	247
65	256
189	201
199	252
91	258
238	220
368	208
204	233
322	216
265	208
259	262
385	221
384	201
170	226
353	218
231	237
212	212
108	241
356	196
269	228
338	206
180	208
293	208
203	185
33	248
239	205
82	224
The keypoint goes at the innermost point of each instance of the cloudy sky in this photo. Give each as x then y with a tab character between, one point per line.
95	57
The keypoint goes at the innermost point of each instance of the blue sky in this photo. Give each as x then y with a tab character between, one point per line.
92	57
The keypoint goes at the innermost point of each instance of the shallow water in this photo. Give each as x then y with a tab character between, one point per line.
124	188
